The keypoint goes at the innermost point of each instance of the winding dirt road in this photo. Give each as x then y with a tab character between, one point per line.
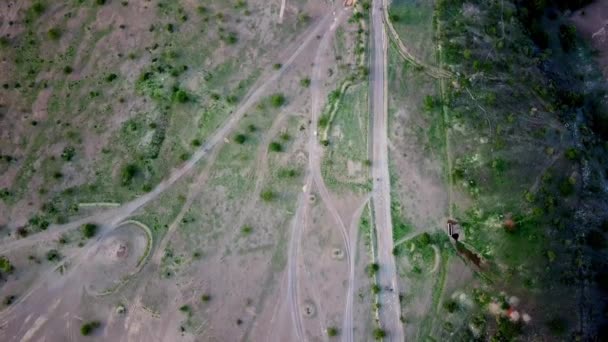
390	311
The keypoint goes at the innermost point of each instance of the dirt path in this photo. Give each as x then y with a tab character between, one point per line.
390	311
114	216
347	324
404	52
282	11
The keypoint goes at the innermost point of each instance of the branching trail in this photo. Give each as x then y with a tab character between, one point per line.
114	216
390	311
347	324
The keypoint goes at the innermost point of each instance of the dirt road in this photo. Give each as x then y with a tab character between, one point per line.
390	311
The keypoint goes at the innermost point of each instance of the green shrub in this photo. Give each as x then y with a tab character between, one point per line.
54	33
68	153
111	77
267	195
323	121
128	172
5	265
206	297
240	138
184	308
375	289
277	100
181	96
277	66
89	230
38	8
89	327
276	146
425	239
53	255
305	82
196	142
379	334
67	69
372	269
288	173
332	331
451	306
246	230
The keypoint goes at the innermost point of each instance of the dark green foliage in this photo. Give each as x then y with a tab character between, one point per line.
425	239
89	327
5	265
196	142
246	230
596	239
379	334
54	33
332	331
68	69
231	38
89	230
375	289
557	326
111	77
507	330
372	269
277	66
240	138
567	37
127	174
181	96
68	153
184	308
8	300
276	146
206	297
451	306
53	255
38	8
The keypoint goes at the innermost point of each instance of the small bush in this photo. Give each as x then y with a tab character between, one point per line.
267	195
332	331
240	138
276	146
323	121
53	255
111	77
305	82
54	33
231	38
285	136
89	230
277	66
450	306
425	239
181	96
5	265
372	269
277	100
246	230
375	289
68	153
67	69
206	297
8	300
38	8
596	239
128	173
379	334
89	327
288	173
251	128
184	308
196	142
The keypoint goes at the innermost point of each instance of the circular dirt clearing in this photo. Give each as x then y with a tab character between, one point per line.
113	258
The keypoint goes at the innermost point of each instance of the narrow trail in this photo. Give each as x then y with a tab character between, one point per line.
390	311
114	216
312	177
406	54
347	324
